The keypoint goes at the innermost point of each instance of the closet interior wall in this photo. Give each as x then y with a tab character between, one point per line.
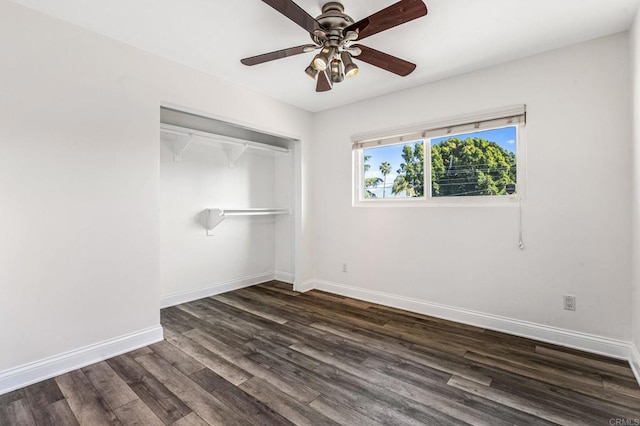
240	250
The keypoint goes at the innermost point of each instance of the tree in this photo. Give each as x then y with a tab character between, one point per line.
367	166
473	166
410	179
385	169
369	182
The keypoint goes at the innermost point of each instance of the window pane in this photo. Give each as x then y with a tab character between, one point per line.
394	171
472	164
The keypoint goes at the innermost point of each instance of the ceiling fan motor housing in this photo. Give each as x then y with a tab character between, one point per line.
333	20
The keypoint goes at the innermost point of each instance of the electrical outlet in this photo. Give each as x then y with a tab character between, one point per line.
570	303
345	268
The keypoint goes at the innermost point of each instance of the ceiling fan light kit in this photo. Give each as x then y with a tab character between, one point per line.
311	71
350	69
333	32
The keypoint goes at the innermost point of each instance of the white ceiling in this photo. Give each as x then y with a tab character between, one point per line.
456	36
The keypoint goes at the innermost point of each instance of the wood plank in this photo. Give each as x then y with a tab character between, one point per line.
207	406
109	385
626	387
340	413
247	406
590	408
55	414
297	359
362	317
420	376
583	359
249	324
229	371
434	360
443	409
346	390
408	315
376	401
372	400
225	329
293	388
17	413
237	302
281	284
261	298
43	393
10	397
360	304
136	413
87	406
547	363
526	405
191	420
283	404
276	289
575	384
165	405
173	317
174	356
139	352
325	315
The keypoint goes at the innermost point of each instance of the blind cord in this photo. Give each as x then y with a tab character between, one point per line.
520	242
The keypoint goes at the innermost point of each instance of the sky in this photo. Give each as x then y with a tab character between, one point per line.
505	137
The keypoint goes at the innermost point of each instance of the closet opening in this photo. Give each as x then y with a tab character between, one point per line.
228	206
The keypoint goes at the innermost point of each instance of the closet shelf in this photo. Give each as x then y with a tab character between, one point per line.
234	147
215	216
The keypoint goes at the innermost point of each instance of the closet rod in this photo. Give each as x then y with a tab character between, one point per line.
177	130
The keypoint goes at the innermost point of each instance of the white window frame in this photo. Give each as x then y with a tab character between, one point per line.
442	128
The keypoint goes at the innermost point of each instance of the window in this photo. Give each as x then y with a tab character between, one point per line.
471	161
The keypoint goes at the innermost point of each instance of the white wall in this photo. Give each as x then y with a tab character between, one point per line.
285	182
79	171
576	215
241	250
635	299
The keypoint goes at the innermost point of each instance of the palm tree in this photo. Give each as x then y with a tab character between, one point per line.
371	182
385	169
367	166
410	178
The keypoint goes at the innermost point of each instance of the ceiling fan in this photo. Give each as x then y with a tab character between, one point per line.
333	33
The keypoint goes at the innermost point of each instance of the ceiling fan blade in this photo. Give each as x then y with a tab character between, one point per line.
385	61
324	82
278	54
394	15
297	14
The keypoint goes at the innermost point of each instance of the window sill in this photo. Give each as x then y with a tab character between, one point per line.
439	202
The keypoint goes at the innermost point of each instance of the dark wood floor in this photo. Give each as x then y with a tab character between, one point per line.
268	356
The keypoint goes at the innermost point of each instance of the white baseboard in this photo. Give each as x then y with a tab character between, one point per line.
305	286
634	361
586	342
212	290
38	371
285	277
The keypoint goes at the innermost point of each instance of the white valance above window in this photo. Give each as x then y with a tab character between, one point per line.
510	116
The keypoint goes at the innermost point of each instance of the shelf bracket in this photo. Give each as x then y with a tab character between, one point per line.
180	146
234	152
214	217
